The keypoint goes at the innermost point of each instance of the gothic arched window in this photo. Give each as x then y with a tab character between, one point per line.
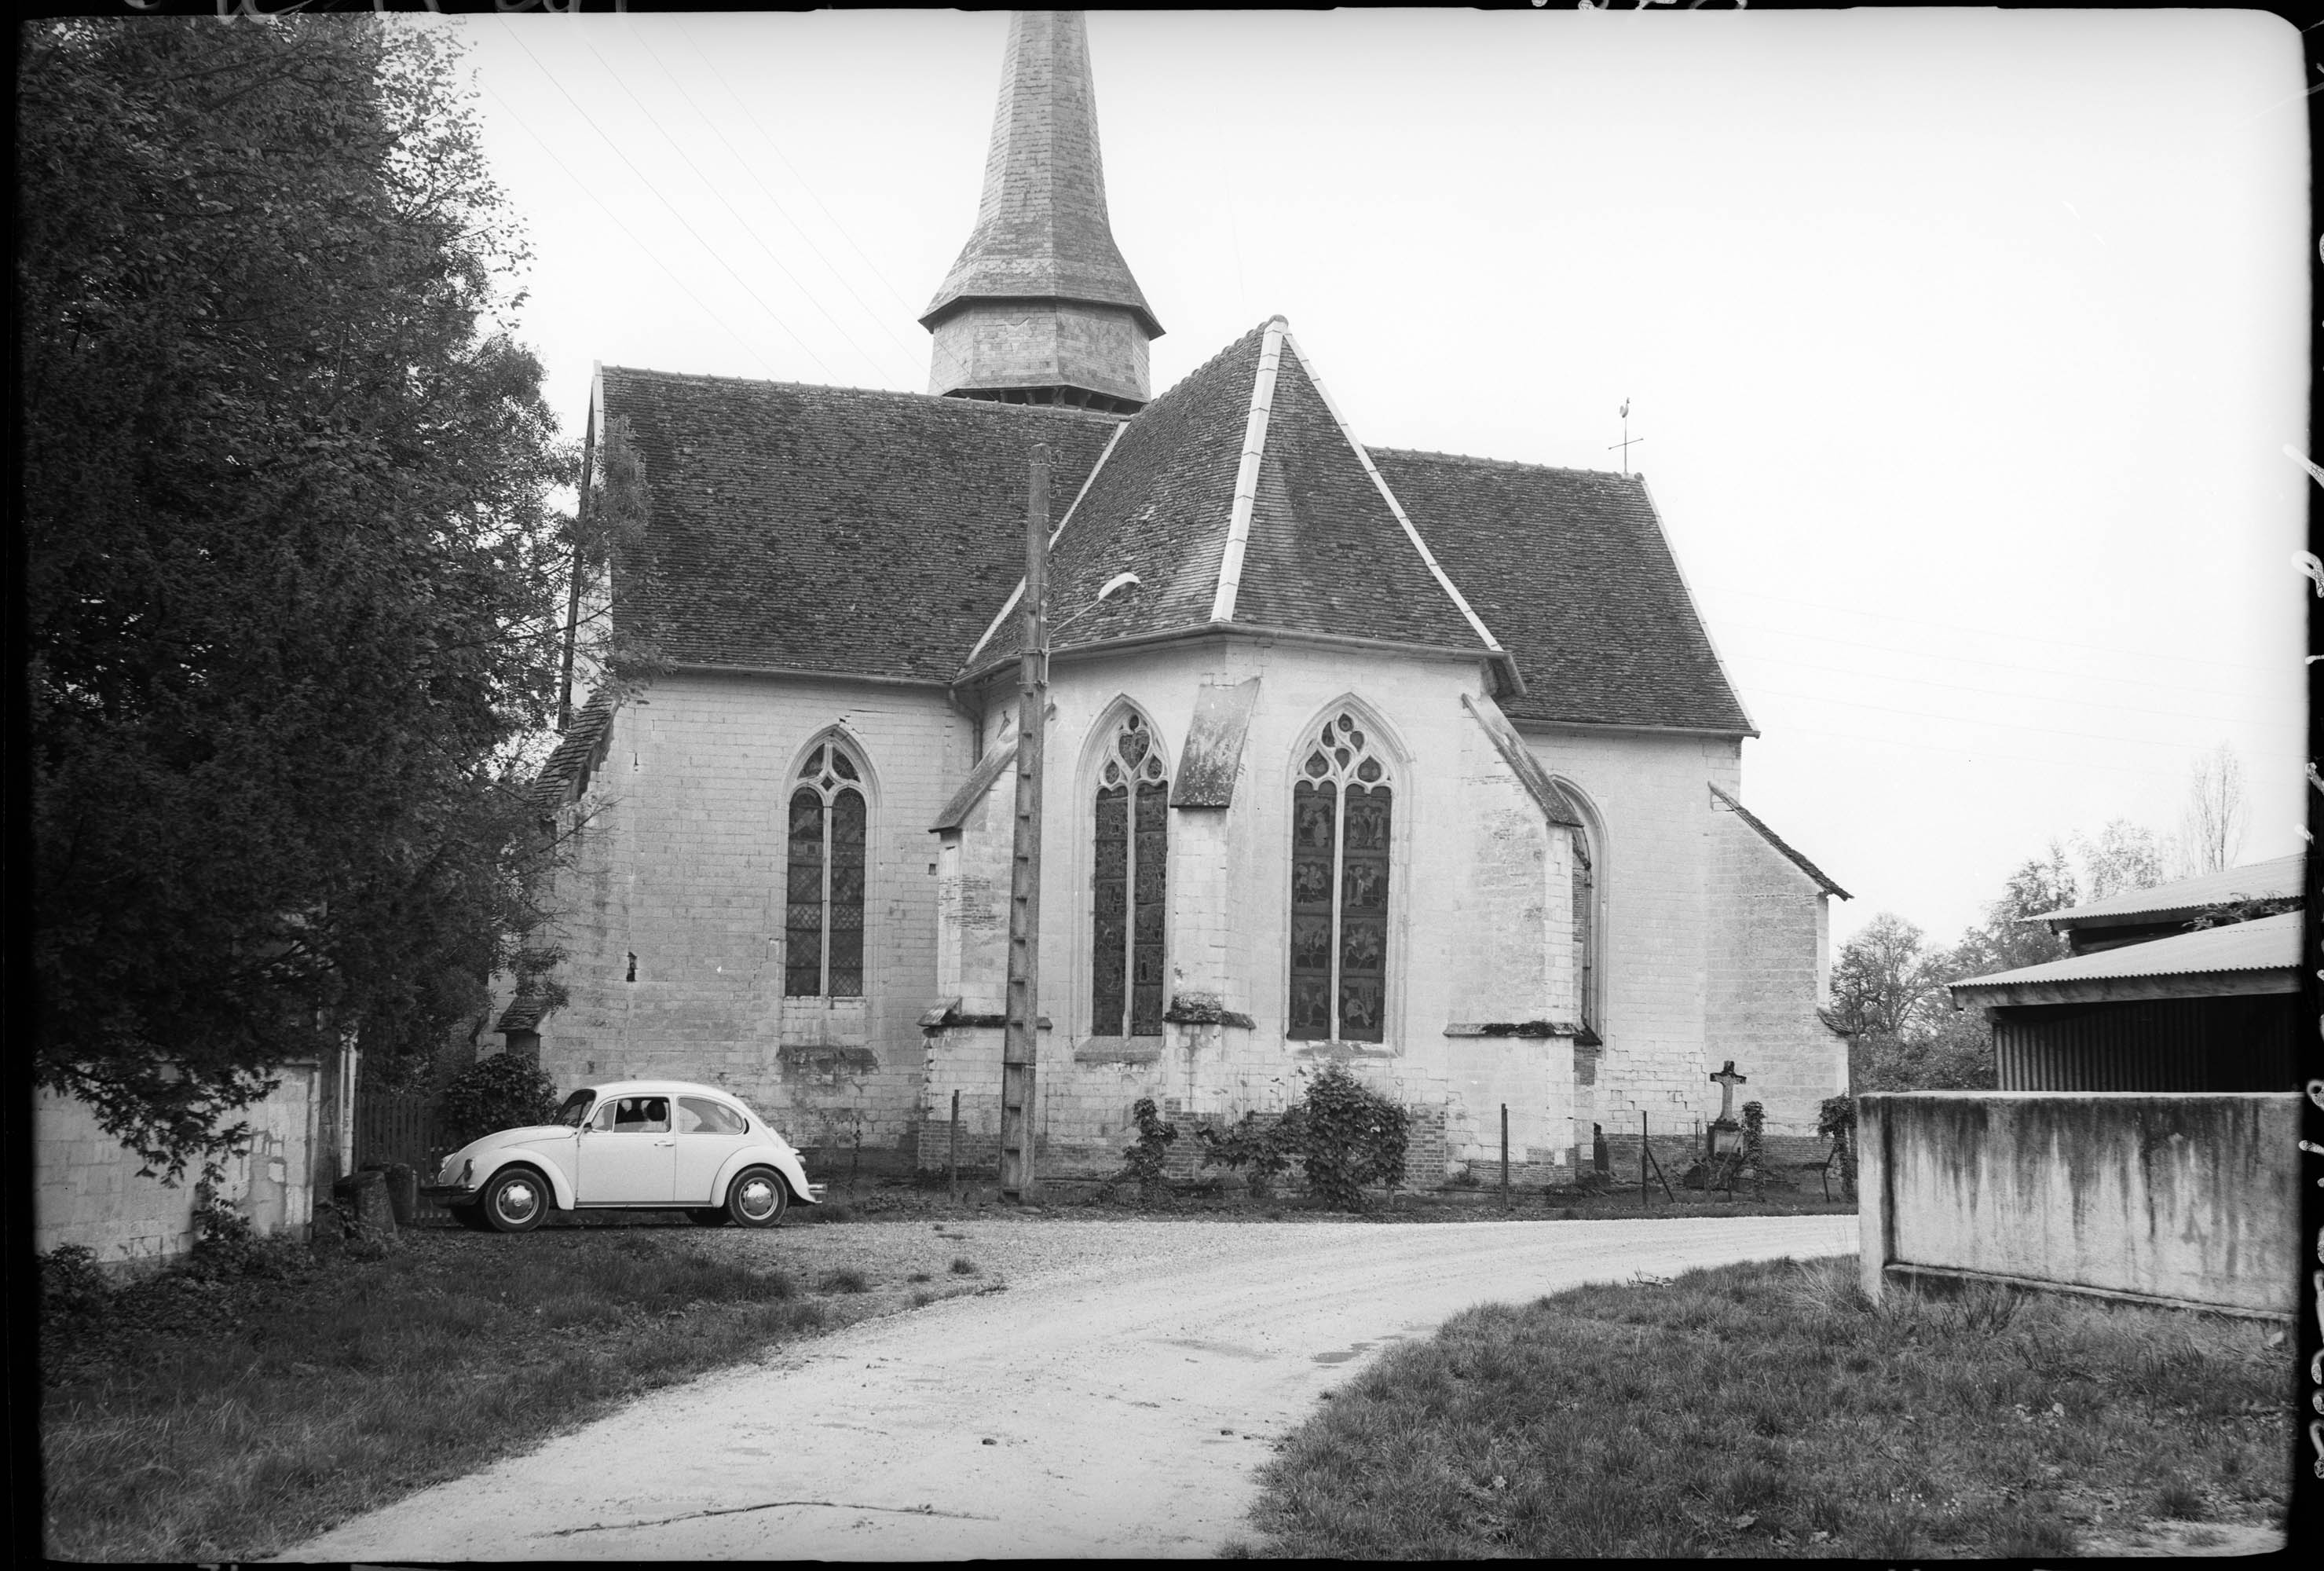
1339	887
1133	823
1588	913
824	926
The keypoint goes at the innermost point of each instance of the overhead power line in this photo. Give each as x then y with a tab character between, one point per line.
2020	667
1965	688
910	311
1885	616
2001	724
584	187
912	351
748	227
665	201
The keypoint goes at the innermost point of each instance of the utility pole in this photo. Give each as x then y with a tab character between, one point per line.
1021	1042
573	587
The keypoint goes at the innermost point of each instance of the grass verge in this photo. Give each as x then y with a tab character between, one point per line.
228	1419
1767	1409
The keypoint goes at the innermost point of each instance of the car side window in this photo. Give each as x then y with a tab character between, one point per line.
700	1115
638	1115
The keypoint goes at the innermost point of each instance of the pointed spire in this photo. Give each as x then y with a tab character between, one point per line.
1040	307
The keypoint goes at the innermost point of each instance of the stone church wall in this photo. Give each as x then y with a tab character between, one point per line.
682	866
1653	873
1771	927
1481	887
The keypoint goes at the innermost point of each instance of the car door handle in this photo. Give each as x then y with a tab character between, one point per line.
665	1143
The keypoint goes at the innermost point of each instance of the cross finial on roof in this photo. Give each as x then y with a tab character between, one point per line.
1626	444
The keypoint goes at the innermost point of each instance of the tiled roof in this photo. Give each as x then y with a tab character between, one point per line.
1158	508
1571	570
2268	944
2274	879
1324	551
880	534
523	1014
1041	227
1772	838
834	529
566	775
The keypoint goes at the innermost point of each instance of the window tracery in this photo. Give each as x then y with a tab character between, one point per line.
824	916
1131	870
1340	808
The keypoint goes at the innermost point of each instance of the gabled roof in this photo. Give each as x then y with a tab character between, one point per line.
1239	498
1571	569
2276	879
1772	838
566	773
1042	232
2236	954
833	529
881	534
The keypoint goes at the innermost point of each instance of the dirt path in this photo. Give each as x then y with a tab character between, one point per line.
1118	1407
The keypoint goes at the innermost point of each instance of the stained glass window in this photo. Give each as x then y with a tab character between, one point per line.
1339	821
823	924
1133	856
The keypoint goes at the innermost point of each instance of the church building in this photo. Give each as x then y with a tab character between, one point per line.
1421	764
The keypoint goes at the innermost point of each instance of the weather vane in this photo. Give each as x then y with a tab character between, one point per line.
1627	440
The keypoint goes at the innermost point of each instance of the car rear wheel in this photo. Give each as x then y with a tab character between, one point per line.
757	1197
516	1201
470	1216
707	1216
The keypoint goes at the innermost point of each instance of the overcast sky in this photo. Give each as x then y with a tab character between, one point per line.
1965	346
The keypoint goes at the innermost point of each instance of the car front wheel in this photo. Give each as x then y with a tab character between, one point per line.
516	1201
757	1197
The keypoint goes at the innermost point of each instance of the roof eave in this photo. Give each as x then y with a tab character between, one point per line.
945	307
2128	989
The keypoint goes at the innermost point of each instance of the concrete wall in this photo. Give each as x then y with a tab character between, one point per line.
87	1190
2189	1199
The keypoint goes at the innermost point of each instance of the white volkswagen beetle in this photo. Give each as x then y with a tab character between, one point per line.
633	1145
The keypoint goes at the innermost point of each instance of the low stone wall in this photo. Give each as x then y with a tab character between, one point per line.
87	1190
2179	1199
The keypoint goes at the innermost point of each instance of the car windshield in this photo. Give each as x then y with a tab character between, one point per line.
576	1109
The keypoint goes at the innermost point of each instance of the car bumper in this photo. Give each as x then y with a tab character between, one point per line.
447	1194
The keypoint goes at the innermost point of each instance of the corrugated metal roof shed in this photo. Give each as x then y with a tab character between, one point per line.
2269	944
2259	880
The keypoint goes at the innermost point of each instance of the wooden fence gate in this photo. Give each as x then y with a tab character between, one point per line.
401	1126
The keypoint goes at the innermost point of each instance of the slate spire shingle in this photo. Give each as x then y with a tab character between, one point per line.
1040	307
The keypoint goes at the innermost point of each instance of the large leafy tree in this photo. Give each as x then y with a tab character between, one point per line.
293	579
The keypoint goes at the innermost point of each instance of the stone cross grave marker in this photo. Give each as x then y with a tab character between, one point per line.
1727	1080
1724	1133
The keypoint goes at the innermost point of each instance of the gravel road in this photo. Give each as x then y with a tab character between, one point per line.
1116	1399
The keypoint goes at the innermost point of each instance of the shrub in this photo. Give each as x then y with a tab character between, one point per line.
1265	1149
501	1092
1836	1121
1350	1136
1146	1159
72	1285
